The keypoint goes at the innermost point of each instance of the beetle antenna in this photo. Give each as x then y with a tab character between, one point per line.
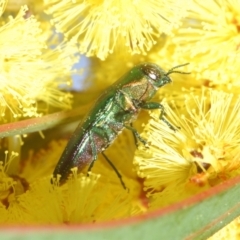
181	65
178	72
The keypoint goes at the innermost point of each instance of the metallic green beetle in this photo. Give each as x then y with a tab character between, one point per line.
115	110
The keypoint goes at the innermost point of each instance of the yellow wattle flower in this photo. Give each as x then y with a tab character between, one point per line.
101	27
31	72
209	39
201	153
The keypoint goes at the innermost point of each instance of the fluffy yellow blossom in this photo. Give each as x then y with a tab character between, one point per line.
101	27
209	39
201	153
30	198
31	73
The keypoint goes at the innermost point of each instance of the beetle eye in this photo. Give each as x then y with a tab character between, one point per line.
151	72
152	75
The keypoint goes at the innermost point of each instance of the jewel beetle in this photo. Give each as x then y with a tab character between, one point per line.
115	109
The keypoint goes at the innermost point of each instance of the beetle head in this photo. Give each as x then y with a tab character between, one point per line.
157	76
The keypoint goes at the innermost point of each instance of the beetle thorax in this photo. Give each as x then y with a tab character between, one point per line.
140	91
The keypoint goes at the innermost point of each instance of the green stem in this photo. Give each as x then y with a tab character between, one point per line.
42	123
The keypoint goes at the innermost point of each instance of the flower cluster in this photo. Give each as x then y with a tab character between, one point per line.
39	47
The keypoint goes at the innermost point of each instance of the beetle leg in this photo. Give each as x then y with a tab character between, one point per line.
102	133
136	134
155	105
115	170
126	103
